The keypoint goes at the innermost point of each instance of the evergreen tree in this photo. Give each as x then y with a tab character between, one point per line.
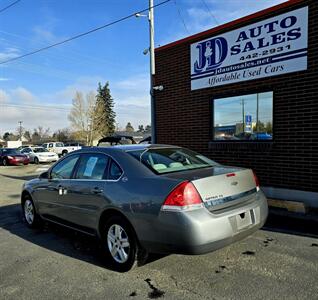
148	129
129	127
141	128
104	111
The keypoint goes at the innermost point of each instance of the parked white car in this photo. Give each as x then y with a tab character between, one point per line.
40	154
59	148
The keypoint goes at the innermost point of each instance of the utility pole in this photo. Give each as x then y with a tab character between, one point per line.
151	51
20	130
257	99
152	71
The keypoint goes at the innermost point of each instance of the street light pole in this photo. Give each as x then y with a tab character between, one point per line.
243	114
152	71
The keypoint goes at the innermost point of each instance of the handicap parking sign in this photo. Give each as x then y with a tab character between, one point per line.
248	119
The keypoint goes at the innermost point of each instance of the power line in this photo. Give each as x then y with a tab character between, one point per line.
5	8
210	12
83	34
53	72
34	107
181	18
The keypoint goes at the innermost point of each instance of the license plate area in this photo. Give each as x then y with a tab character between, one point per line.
245	219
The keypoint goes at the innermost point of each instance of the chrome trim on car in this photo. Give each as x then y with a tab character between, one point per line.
181	208
225	201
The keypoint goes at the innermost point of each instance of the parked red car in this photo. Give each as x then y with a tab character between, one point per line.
10	156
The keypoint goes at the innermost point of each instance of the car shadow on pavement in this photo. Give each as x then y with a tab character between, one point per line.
24	178
57	238
292	224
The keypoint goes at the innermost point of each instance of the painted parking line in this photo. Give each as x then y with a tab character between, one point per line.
42	168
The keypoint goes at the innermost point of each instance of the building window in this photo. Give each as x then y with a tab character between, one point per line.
246	117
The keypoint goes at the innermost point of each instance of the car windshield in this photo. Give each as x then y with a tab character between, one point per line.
38	150
11	152
169	160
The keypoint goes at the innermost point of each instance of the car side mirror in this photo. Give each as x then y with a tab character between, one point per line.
44	175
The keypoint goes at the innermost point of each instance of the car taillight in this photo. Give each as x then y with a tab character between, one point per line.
184	196
256	181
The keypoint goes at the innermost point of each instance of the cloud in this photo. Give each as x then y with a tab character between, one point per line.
31	117
4	96
135	114
22	95
9	53
132	100
21	104
133	90
198	18
4	79
225	12
243	6
134	83
45	35
131	96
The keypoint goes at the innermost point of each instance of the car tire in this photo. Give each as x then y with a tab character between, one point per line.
119	244
36	160
30	216
64	153
4	162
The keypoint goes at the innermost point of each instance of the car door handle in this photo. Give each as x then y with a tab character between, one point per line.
96	190
62	190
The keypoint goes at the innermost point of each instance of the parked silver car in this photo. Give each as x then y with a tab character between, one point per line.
39	155
147	198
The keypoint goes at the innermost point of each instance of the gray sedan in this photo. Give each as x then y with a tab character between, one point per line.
147	198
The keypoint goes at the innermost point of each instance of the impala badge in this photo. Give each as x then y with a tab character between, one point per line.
234	183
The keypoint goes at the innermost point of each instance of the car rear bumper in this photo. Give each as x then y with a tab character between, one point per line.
47	159
18	162
200	231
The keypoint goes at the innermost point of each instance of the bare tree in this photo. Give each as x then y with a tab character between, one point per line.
62	135
40	135
82	116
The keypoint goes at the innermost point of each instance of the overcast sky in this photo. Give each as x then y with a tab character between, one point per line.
50	78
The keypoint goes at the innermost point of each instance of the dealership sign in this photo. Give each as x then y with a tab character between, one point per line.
272	47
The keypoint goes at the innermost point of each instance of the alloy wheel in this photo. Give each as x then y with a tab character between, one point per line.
29	211
118	243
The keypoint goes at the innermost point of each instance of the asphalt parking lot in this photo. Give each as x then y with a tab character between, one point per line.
55	263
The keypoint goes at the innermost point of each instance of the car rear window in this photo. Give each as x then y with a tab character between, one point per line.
39	150
169	160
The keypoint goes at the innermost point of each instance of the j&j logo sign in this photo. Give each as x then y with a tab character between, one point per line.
211	54
272	47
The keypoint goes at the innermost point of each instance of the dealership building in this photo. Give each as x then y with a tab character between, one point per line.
246	94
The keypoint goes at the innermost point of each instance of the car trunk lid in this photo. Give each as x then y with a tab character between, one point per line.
220	187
